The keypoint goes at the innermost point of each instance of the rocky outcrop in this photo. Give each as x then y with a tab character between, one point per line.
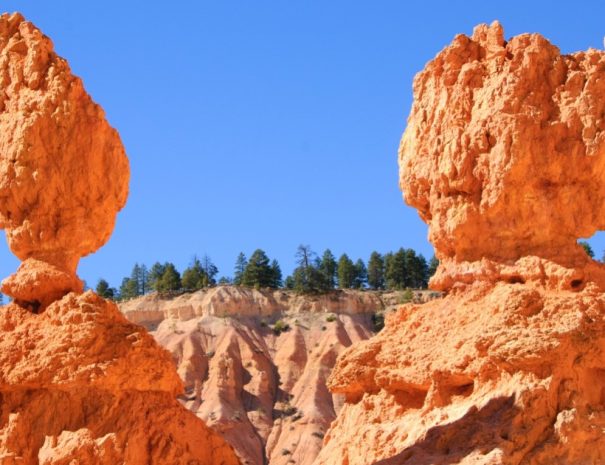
63	170
255	362
503	156
151	309
78	382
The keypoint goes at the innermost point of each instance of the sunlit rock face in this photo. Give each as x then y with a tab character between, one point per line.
503	152
79	384
63	170
503	157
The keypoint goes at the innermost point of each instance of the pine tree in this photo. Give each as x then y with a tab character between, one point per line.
416	270
433	264
376	271
143	280
346	272
423	272
329	268
139	278
396	272
240	267
587	248
307	277
104	290
170	280
258	272
194	277
361	274
210	271
128	289
155	275
276	276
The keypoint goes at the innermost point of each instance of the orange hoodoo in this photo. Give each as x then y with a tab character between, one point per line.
504	157
78	382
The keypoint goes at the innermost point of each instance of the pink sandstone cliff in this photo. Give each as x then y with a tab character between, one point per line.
79	384
263	390
504	157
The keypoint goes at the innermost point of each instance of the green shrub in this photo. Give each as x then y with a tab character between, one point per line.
406	297
280	326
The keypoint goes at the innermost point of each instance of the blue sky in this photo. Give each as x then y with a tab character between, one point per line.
268	124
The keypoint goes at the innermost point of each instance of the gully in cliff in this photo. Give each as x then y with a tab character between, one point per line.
78	382
504	158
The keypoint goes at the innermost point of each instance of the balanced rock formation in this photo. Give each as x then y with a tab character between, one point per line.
504	157
63	170
255	362
78	382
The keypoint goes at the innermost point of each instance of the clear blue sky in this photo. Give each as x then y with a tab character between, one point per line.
268	124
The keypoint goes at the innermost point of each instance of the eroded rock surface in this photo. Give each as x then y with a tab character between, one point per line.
261	387
503	156
79	384
63	171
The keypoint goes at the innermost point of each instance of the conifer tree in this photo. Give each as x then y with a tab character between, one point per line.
210	271
258	272
276	276
433	264
170	280
104	290
396	272
240	267
128	289
154	276
194	277
361	274
346	272
376	271
307	277
329	268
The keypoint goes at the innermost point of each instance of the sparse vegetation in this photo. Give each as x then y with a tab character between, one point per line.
406	297
313	275
280	326
331	318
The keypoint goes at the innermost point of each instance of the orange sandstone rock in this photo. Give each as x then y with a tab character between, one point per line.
79	384
63	171
504	157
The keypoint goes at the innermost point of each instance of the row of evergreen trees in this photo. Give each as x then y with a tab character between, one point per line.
313	274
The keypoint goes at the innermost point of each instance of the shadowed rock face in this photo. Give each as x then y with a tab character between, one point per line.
503	156
78	382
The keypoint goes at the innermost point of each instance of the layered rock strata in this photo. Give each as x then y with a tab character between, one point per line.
255	362
503	156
